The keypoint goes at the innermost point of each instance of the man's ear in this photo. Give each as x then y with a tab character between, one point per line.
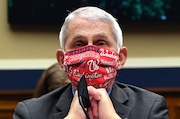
60	57
122	57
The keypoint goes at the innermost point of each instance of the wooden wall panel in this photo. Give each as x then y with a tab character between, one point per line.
9	99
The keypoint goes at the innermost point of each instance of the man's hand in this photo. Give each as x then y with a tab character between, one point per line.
101	106
76	111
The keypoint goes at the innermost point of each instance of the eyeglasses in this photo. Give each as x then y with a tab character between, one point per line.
83	95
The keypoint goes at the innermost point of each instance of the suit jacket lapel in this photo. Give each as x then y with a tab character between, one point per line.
64	103
119	97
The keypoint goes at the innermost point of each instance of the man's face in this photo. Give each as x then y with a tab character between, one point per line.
82	32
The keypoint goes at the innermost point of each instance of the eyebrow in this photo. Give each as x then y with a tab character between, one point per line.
78	36
101	35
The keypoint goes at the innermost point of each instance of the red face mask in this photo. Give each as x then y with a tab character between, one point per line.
98	65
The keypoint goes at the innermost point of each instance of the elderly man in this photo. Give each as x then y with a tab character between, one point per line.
92	47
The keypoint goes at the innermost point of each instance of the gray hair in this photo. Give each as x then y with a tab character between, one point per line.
92	13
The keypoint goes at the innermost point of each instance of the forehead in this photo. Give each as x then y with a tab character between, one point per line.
82	24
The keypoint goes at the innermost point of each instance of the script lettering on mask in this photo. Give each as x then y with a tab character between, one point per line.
105	83
110	70
93	65
77	73
107	54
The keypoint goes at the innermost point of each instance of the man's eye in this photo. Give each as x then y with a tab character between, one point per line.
101	43
78	44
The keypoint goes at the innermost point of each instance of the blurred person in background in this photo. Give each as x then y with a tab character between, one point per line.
51	78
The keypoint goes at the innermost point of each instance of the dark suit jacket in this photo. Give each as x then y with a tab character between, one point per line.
130	102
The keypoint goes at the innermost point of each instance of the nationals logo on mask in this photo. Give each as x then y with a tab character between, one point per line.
98	65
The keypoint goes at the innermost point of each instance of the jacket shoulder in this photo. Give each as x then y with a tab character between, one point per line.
135	90
46	104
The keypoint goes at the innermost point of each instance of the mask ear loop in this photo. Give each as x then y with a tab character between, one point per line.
83	95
